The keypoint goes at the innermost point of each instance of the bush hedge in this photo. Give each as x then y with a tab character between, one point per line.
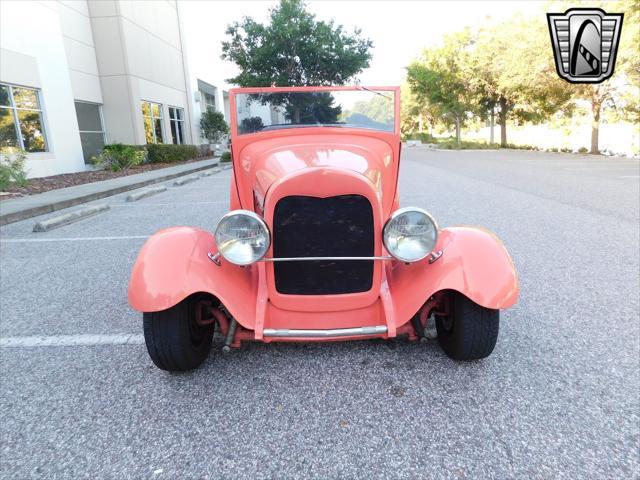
12	169
171	153
226	156
117	156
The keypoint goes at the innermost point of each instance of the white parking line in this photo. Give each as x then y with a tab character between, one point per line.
82	340
70	239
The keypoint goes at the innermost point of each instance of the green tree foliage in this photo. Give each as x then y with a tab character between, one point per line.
250	125
312	107
213	126
440	80
512	69
294	49
508	69
379	108
619	95
629	61
416	116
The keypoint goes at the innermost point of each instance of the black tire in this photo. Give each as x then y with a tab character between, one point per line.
174	341
470	332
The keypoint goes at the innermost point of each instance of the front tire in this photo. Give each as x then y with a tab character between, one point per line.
470	331
175	341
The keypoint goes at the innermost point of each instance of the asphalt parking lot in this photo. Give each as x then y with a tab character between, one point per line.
558	398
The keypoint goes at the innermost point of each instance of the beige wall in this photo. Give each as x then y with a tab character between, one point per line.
140	57
34	55
79	47
111	52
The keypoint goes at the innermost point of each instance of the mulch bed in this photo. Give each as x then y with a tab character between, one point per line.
44	184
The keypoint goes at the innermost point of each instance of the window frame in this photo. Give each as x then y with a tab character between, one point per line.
103	131
16	120
177	120
209	106
153	118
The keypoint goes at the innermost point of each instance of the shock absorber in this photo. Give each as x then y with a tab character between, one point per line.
230	334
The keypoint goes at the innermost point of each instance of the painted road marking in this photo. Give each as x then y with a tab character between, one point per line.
81	340
70	239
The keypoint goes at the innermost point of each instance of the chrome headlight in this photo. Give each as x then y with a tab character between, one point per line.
242	237
410	234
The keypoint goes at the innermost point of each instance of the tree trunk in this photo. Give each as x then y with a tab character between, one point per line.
595	128
420	125
458	130
493	124
503	122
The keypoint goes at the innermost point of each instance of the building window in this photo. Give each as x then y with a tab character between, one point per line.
152	116
91	129
176	117
209	101
21	124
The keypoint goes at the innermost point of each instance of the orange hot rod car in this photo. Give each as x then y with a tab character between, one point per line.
316	246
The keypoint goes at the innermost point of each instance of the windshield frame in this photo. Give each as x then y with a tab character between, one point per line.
252	90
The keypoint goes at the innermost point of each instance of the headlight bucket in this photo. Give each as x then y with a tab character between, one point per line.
242	237
410	234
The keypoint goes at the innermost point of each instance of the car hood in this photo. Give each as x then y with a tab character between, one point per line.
264	162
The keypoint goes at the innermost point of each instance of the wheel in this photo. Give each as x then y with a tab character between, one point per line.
175	341
470	331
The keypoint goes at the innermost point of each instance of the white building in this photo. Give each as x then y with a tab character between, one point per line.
75	75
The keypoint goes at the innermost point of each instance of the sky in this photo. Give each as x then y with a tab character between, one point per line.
399	29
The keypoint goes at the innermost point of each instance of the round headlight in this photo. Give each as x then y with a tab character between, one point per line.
410	234
242	237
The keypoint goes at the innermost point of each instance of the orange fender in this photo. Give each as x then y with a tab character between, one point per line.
474	262
174	264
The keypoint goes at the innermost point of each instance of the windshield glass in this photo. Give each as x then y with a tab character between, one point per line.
259	112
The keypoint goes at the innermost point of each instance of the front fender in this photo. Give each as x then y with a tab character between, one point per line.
174	264
474	262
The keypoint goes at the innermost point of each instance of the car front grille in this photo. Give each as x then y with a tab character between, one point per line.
340	226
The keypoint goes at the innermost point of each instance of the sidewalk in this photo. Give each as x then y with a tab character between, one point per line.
32	205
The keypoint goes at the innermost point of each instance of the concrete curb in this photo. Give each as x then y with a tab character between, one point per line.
208	173
134	197
67	218
89	197
184	181
226	167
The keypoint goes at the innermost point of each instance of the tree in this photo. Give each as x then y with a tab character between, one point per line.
311	107
213	126
415	115
511	70
441	79
294	49
251	124
620	94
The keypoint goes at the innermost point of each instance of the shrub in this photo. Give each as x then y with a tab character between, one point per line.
213	126
12	169
424	137
171	153
204	150
583	150
250	125
117	156
226	156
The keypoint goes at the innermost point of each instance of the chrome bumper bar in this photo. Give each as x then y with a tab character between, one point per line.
306	259
336	332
